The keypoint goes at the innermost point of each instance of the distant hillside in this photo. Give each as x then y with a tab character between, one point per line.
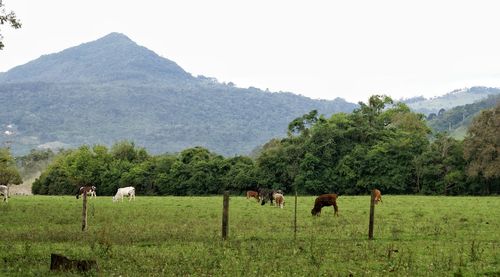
455	98
457	120
113	89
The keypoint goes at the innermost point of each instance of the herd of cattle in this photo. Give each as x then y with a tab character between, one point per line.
324	200
120	194
262	195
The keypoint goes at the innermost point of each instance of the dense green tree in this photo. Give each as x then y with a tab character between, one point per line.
126	150
8	170
348	153
482	149
55	179
380	145
441	168
241	175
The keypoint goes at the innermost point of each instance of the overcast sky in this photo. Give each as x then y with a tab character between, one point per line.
321	49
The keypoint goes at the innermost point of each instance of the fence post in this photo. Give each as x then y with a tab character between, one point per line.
295	218
84	212
372	215
225	215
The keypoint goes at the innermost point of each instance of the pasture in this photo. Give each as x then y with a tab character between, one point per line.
181	236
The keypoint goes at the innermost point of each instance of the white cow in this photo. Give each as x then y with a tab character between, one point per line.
127	191
4	190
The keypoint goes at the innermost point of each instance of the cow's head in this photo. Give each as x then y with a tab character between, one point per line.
315	212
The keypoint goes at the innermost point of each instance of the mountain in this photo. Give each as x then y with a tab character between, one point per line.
452	99
456	121
113	89
113	58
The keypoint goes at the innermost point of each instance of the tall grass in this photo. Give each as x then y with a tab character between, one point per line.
180	236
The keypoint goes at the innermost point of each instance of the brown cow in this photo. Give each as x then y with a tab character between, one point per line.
378	196
253	194
325	200
280	200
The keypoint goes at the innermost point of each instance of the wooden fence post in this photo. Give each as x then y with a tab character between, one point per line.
84	212
372	215
295	218
225	215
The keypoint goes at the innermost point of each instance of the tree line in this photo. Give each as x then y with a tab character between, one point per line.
381	144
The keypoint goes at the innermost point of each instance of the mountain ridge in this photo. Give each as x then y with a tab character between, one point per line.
112	89
457	97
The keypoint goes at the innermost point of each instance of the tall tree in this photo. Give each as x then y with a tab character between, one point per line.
8	170
482	149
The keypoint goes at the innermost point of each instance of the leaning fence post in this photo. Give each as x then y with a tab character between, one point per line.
84	212
372	215
225	215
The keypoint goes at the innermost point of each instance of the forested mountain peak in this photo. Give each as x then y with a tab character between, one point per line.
112	89
114	57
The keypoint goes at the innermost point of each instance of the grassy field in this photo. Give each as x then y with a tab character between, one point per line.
181	236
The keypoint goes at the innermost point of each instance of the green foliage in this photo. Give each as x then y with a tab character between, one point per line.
441	168
7	18
380	145
349	153
194	171
8	170
482	149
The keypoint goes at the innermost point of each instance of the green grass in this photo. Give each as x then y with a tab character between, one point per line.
180	236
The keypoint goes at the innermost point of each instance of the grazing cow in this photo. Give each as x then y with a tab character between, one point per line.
267	195
378	196
280	200
4	190
89	190
127	191
325	200
253	194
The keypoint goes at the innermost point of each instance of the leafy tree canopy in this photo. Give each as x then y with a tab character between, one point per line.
8	170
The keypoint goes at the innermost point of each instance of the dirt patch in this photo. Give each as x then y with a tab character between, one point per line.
25	187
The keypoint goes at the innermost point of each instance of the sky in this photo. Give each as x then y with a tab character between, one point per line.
320	49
